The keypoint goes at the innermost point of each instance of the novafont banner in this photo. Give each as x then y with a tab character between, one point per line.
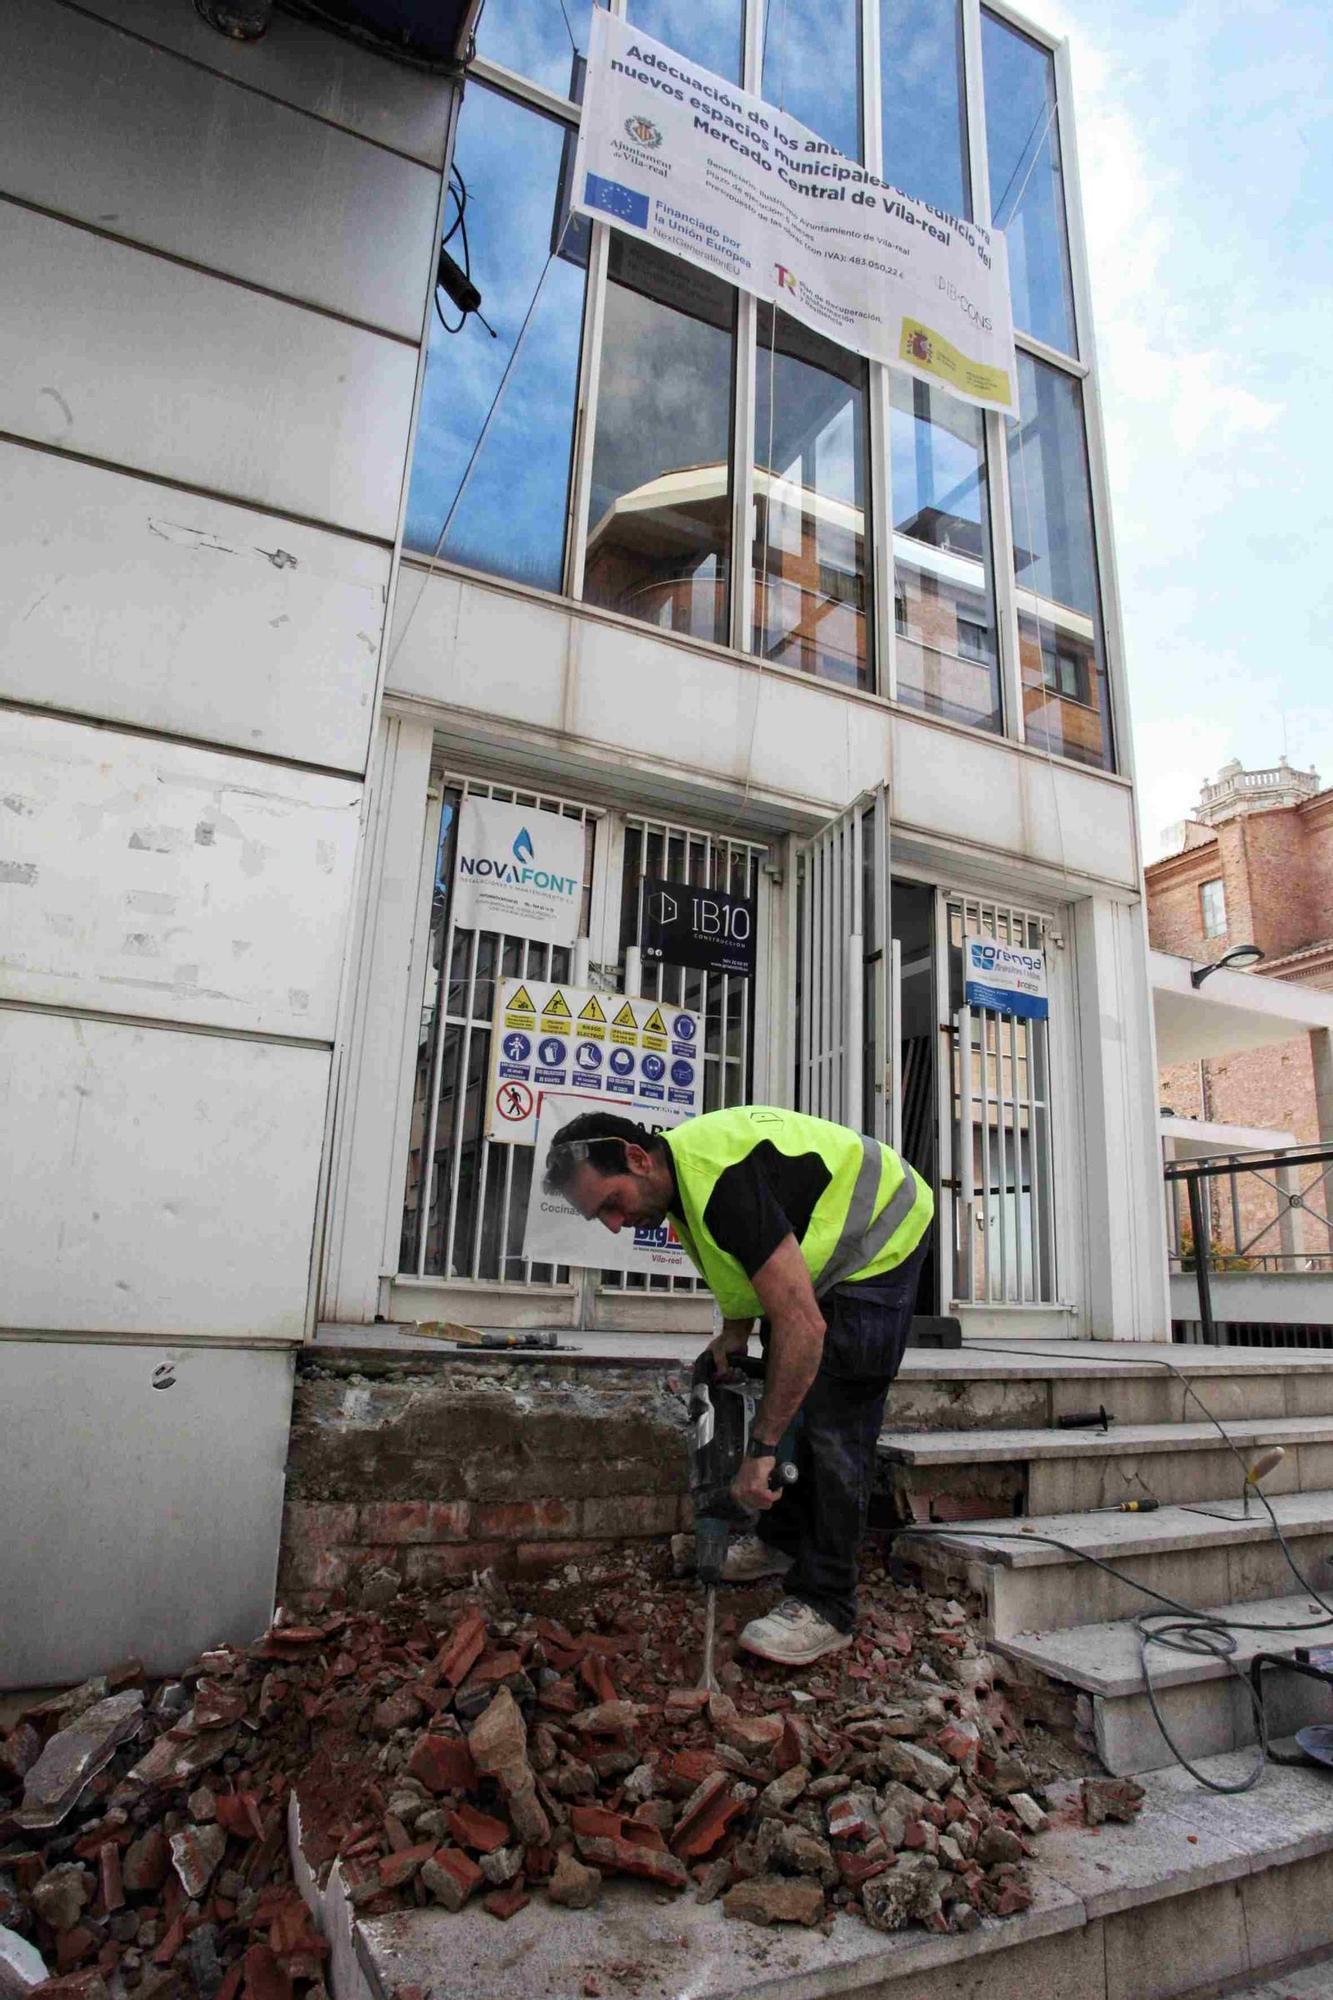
677	156
519	871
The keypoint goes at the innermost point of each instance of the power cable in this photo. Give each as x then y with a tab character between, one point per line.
1188	1630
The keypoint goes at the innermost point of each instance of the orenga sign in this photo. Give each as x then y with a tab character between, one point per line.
519	871
1010	979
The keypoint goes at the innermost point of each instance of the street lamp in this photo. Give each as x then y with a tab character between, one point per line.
1239	955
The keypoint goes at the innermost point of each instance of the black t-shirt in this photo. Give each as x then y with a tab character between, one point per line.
762	1199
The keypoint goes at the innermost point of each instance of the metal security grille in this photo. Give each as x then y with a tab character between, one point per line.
1002	1176
726	1003
843	1029
467	1195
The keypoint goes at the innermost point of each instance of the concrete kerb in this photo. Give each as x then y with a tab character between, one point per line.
1187	1843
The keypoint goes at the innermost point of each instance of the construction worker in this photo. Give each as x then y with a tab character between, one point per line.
820	1233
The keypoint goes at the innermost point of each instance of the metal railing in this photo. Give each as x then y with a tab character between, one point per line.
1274	1225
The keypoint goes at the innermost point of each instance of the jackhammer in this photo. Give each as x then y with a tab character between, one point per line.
722	1409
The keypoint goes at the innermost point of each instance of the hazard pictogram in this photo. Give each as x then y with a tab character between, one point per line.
557	1004
655	1025
520	1002
591	1010
514	1102
625	1018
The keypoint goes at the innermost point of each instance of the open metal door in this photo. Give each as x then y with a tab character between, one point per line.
846	1035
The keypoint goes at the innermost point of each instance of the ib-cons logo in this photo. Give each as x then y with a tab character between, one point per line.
1004	958
520	872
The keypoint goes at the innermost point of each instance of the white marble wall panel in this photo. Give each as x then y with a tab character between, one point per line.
155	1182
177	158
123	356
153	878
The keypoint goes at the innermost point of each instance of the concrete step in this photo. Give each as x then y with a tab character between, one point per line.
1018	1384
1210	1553
1313	1981
1204	1707
1062	1472
1198	1892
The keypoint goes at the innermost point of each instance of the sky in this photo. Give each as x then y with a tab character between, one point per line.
1205	139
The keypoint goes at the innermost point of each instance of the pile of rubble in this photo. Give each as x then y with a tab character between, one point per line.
468	1747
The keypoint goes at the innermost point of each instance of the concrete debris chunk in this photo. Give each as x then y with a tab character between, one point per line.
74	1756
906	1893
916	1766
61	1895
775	1899
572	1885
195	1854
1111	1798
21	1966
1031	1814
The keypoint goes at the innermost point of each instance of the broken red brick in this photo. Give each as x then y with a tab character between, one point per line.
506	1903
705	1817
451	1876
395	1869
464	1648
265	1979
477	1830
443	1764
628	1857
113	1888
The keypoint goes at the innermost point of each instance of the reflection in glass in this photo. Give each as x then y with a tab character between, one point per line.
1066	703
924	111
505	508
1027	190
707	31
944	593
811	593
659	518
538	39
812	67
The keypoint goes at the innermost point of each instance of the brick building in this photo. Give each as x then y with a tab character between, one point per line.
1254	866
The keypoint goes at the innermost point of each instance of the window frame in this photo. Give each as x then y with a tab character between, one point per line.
1082	367
1217	882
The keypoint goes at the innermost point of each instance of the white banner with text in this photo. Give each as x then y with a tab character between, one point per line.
677	156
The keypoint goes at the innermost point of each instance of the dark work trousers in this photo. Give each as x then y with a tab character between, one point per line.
820	1521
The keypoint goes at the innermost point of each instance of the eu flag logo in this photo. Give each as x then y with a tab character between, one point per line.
614	198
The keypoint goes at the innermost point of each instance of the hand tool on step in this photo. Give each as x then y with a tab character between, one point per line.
1259	1469
471	1336
1099	1419
722	1410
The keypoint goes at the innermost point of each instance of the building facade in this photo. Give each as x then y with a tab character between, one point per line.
299	562
1255	866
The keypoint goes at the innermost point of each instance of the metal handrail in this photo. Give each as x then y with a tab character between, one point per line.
1197	1176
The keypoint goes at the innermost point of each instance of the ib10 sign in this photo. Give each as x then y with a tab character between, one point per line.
1009	978
701	928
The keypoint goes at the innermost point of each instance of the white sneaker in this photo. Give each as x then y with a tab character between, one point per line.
749	1558
793	1634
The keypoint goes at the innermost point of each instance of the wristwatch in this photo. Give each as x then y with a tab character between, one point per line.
758	1447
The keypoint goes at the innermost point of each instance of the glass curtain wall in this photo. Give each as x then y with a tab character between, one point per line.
944	591
923	106
811	588
1066	701
659	511
491	475
812	67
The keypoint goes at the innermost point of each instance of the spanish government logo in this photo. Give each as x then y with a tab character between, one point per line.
643	131
919	347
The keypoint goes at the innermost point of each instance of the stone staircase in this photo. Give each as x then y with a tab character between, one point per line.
1205	1545
1203	1896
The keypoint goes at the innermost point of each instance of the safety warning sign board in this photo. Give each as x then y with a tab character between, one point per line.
640	1057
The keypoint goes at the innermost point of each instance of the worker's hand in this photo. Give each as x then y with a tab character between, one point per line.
750	1488
732	1342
